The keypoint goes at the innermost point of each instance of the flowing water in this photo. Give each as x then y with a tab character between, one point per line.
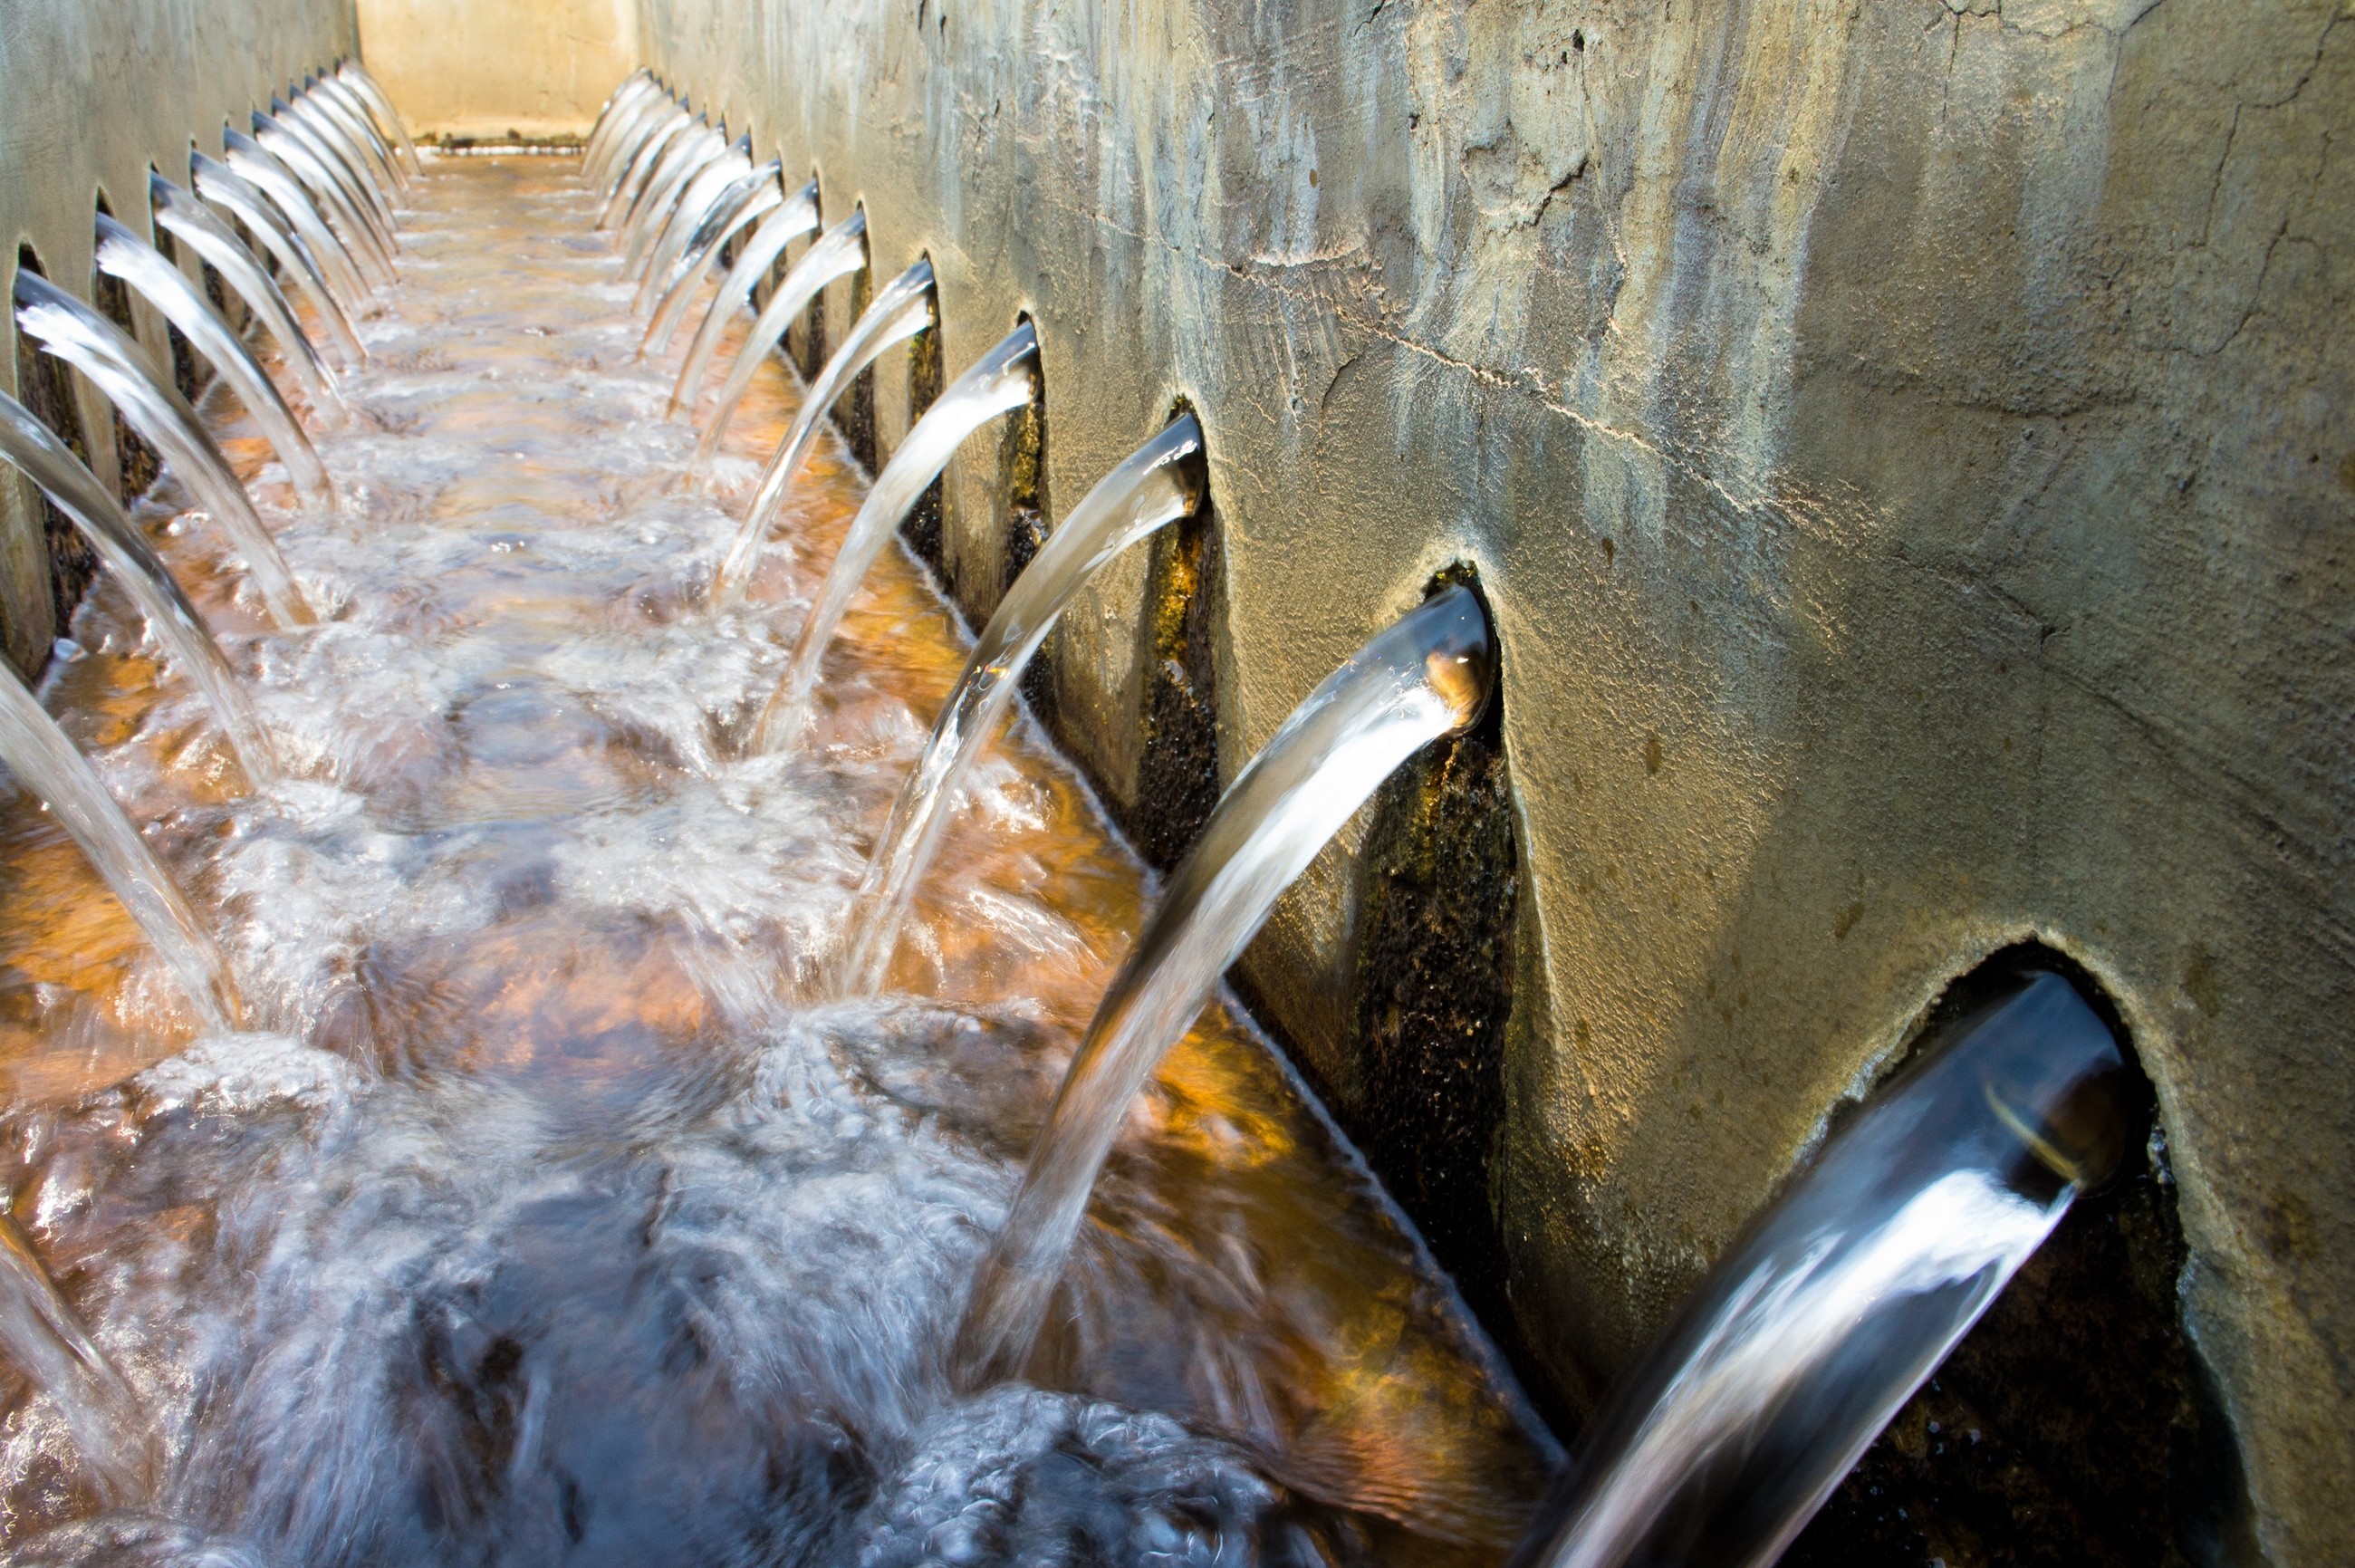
123	254
192	223
668	123
340	206
94	345
793	218
44	762
667	175
901	309
45	1342
1154	487
1427	676
698	202
1844	1296
998	382
250	162
216	182
172	620
753	196
562	1218
839	251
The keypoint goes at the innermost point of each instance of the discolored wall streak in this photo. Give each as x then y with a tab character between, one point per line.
92	93
1908	447
495	70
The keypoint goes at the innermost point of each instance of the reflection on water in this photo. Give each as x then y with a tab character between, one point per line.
560	1219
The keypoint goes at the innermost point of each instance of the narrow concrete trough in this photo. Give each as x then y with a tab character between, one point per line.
1899	459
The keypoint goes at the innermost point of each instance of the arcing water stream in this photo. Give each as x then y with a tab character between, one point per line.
559	1218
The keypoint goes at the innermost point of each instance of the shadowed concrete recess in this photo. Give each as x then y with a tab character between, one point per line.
1908	450
93	94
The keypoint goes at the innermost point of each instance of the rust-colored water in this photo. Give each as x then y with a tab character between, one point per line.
557	1216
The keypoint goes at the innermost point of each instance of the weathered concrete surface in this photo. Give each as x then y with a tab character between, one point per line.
1910	448
93	93
495	68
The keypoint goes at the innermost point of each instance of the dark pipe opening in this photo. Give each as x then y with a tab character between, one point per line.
2075	1424
807	340
854	412
1431	988
45	386
921	527
136	462
1177	778
1021	494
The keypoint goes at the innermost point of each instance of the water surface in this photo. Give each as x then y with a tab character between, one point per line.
551	1215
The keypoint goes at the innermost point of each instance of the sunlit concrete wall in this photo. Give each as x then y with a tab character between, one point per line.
1910	451
497	69
93	93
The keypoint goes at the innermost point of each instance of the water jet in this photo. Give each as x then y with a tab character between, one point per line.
190	222
1427	675
1161	483
794	218
123	254
216	182
94	345
838	253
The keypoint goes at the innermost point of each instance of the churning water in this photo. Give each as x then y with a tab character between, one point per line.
549	1214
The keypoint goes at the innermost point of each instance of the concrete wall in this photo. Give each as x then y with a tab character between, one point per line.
497	68
93	93
1910	449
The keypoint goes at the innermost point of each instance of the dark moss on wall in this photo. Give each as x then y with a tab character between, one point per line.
2075	1426
1021	491
854	412
1178	755
45	386
1020	517
1430	991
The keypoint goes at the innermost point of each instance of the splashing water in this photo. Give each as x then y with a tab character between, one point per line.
1425	676
123	254
1150	490
46	762
1846	1294
839	253
566	1219
98	349
174	621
